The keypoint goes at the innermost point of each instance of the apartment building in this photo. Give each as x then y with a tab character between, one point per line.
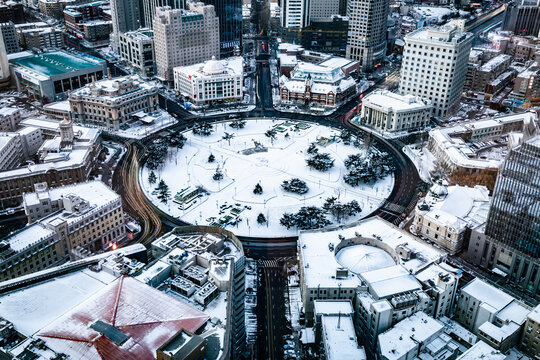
9	36
112	102
184	37
435	66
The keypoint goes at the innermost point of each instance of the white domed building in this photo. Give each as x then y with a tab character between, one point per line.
211	81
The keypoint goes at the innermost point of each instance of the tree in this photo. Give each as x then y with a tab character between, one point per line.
261	219
439	171
237	124
341	210
211	158
156	154
295	185
228	137
218	175
152	177
321	162
177	140
367	168
163	191
308	217
312	149
204	129
258	189
346	136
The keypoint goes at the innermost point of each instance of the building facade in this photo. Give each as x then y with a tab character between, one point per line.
150	6
184	37
530	339
89	22
137	50
387	111
111	103
367	31
514	215
41	37
229	13
50	75
9	36
435	66
213	81
126	16
522	17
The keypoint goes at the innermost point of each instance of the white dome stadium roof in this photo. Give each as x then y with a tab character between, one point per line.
362	258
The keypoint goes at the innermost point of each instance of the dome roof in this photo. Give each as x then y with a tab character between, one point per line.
362	258
213	67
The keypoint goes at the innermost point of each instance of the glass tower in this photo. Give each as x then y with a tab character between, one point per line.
229	13
514	215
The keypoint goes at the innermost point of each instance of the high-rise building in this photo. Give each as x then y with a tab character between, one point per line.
137	49
367	31
229	13
150	7
435	65
514	215
292	12
10	38
322	9
184	37
523	17
126	16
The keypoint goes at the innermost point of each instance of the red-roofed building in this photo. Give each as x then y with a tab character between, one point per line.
126	320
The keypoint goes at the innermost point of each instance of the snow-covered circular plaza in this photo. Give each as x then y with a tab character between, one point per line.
228	176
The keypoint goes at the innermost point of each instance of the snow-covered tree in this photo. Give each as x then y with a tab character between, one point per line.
204	129
321	162
295	185
152	177
228	137
211	158
218	175
163	192
177	140
312	149
261	219
258	189
341	210
156	154
308	217
237	124
367	168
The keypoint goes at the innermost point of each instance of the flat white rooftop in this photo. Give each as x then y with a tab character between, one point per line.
340	338
482	351
487	294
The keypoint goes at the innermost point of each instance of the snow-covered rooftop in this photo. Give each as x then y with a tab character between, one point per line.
534	315
340	338
214	68
320	263
362	258
114	88
386	282
482	351
407	334
387	100
487	294
28	236
496	61
463	206
333	307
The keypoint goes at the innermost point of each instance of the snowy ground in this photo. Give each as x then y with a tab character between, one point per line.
422	158
285	159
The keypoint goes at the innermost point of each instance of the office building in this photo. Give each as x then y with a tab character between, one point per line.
387	111
292	14
184	37
435	66
514	215
57	162
367	31
137	50
87	215
150	6
321	9
111	103
50	75
212	81
229	13
9	118
126	16
522	17
9	37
